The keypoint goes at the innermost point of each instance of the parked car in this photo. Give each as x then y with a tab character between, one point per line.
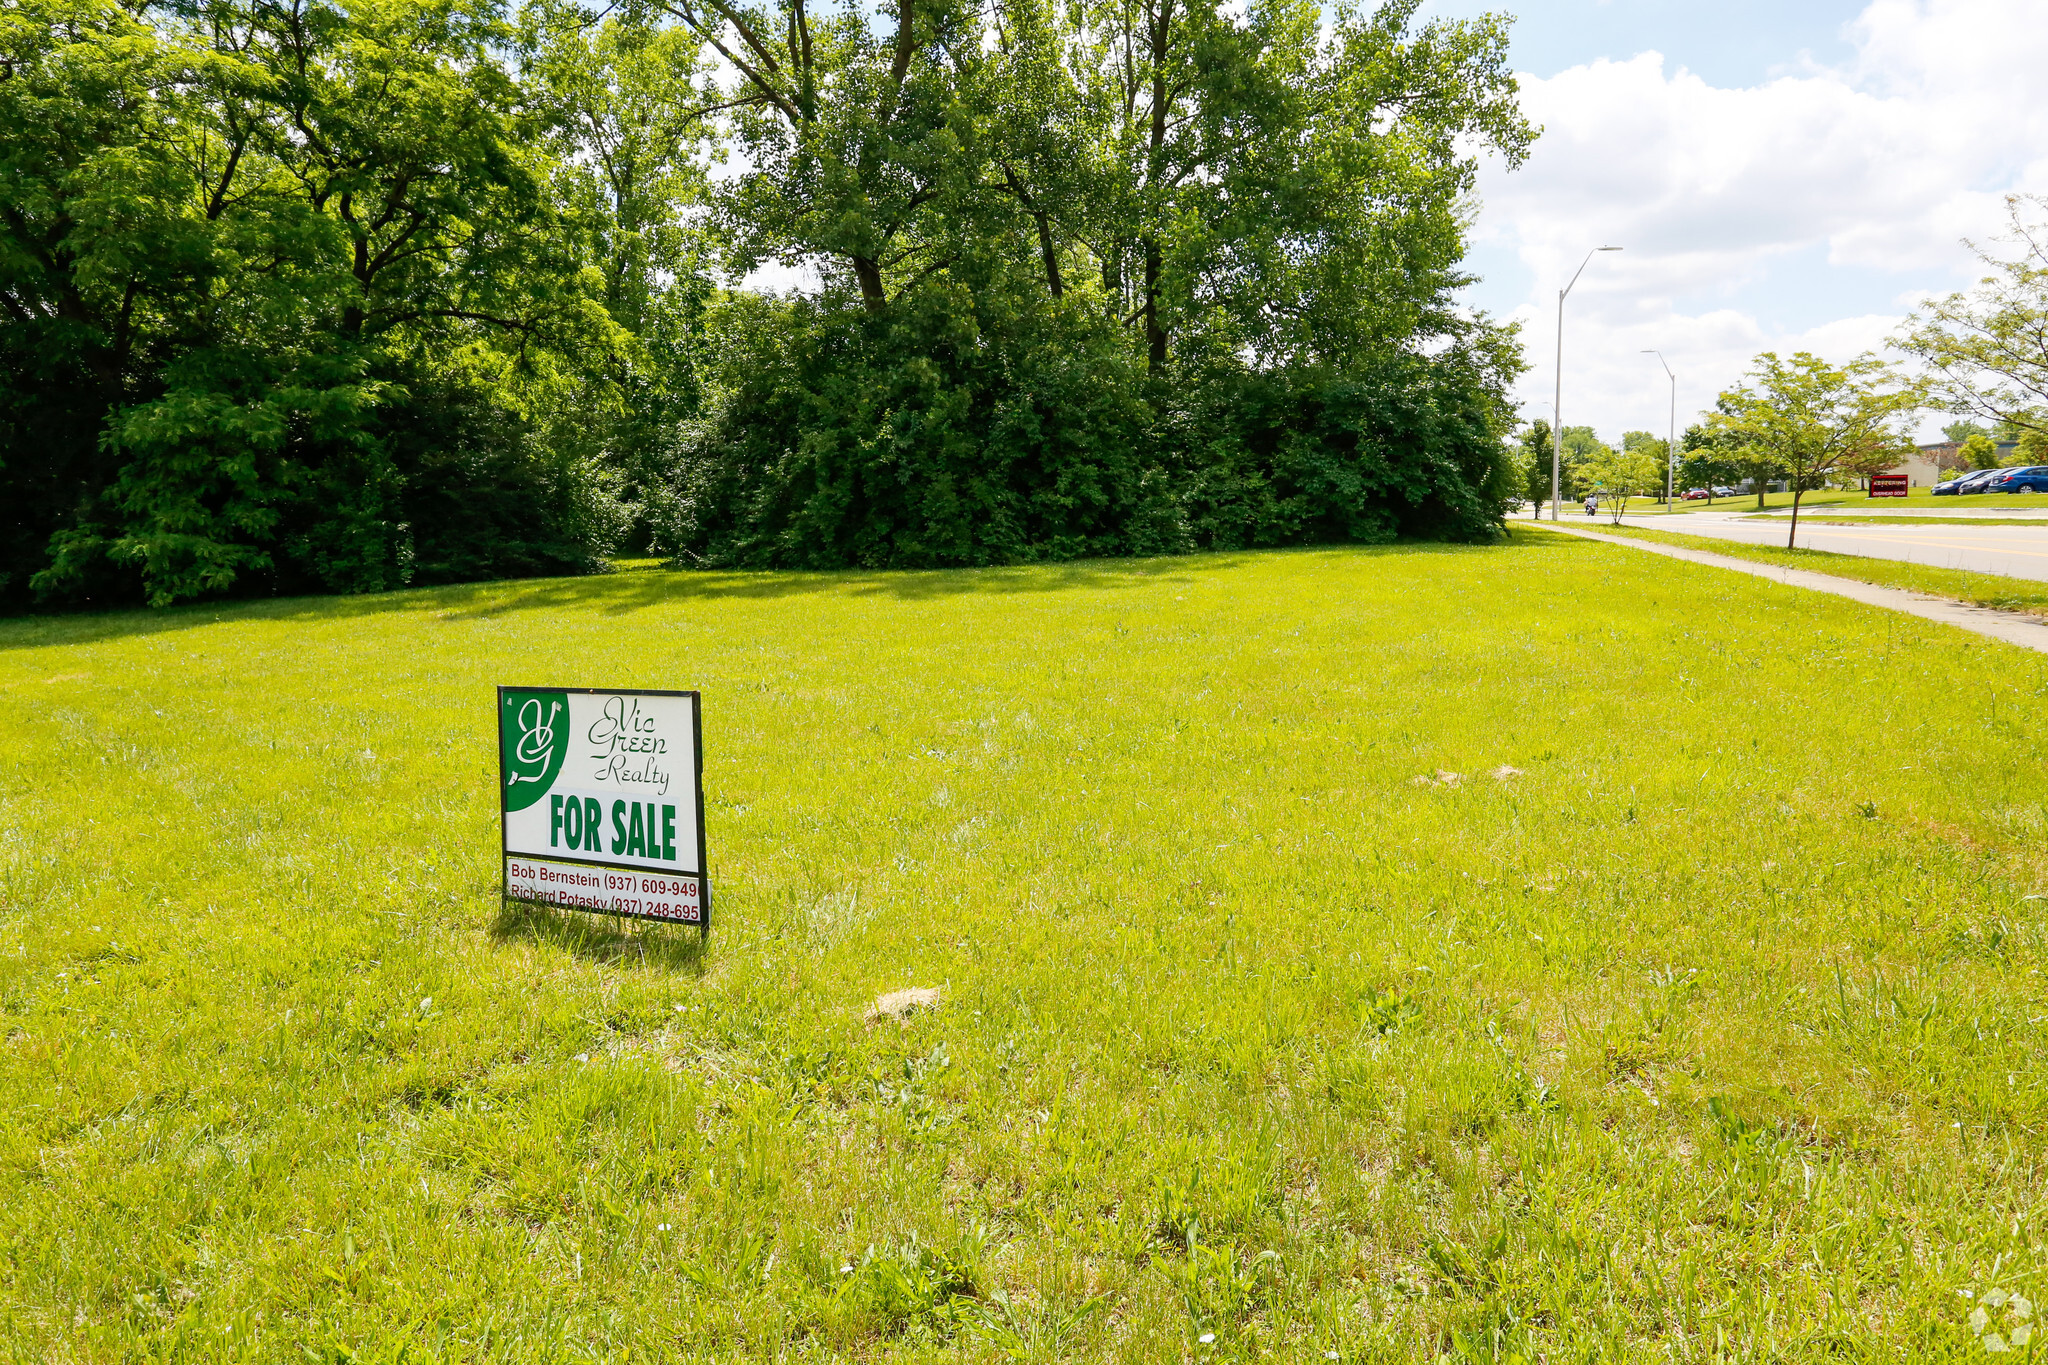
1722	490
1949	488
1693	495
2032	479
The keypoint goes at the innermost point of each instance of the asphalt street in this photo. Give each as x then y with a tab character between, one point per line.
2016	551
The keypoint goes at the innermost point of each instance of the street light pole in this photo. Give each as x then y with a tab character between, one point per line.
1671	441
1557	398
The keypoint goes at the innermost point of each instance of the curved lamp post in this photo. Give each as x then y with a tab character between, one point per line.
1671	441
1557	399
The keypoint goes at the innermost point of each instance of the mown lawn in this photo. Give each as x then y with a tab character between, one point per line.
1252	1046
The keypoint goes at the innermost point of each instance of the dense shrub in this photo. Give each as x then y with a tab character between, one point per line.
318	474
1401	446
930	435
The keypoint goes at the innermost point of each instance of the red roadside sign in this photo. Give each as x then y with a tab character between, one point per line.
1888	485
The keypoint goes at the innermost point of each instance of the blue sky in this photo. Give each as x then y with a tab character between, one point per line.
1735	42
1782	176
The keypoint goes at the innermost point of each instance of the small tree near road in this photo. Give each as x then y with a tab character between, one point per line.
1978	451
1703	460
1533	456
1810	419
1658	449
1619	475
1749	461
1879	458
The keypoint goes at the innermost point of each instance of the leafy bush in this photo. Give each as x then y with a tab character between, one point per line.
1397	446
314	474
929	434
933	434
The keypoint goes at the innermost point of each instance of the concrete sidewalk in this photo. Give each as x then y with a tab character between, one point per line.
2028	632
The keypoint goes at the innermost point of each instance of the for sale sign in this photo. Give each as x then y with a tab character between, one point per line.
1888	485
603	801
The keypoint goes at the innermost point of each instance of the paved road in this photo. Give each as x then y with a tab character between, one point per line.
2016	551
2029	509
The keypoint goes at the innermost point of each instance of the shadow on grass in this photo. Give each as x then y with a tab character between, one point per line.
602	938
643	586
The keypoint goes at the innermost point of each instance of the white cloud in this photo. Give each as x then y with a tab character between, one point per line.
1805	212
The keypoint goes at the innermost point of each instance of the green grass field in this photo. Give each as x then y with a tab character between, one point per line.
1260	1038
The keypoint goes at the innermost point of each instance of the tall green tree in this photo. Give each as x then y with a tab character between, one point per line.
1263	214
300	251
1578	447
1230	173
1719	445
1265	186
109	217
1704	460
863	132
620	100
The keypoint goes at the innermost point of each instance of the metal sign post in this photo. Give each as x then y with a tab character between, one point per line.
602	801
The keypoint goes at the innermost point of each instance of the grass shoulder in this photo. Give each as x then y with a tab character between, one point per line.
1824	499
1979	589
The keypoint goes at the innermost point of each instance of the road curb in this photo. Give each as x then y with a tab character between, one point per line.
2028	632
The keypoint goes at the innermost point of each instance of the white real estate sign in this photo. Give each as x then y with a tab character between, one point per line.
603	801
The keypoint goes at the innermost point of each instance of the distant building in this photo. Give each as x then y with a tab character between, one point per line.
1931	465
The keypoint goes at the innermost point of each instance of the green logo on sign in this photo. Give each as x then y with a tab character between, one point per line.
533	731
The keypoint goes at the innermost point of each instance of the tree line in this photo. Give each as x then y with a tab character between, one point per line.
344	295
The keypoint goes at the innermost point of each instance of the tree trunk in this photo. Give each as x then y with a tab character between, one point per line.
1793	534
1155	335
868	272
1052	258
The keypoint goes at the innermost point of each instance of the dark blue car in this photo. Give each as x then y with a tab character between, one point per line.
1972	482
2032	479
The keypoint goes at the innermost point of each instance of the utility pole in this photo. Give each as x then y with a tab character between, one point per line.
1671	441
1557	398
